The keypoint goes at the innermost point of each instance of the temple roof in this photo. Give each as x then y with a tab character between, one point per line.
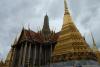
38	37
41	36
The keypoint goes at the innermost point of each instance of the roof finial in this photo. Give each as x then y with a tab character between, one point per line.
15	41
46	14
28	26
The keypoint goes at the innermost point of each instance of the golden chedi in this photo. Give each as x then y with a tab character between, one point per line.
71	45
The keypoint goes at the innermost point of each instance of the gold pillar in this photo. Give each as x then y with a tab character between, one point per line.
20	56
24	55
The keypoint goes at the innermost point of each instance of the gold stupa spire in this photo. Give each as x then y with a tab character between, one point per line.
66	8
66	15
70	39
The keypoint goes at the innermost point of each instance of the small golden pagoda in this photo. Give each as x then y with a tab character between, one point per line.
95	49
71	45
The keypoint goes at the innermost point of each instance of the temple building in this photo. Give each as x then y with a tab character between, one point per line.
33	49
46	48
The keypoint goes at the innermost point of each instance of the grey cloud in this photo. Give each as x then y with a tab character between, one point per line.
56	11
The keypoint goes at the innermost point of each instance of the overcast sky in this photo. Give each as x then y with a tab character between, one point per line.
14	14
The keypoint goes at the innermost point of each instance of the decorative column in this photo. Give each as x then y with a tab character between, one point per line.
20	56
11	59
24	55
29	53
35	50
50	53
45	55
40	55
